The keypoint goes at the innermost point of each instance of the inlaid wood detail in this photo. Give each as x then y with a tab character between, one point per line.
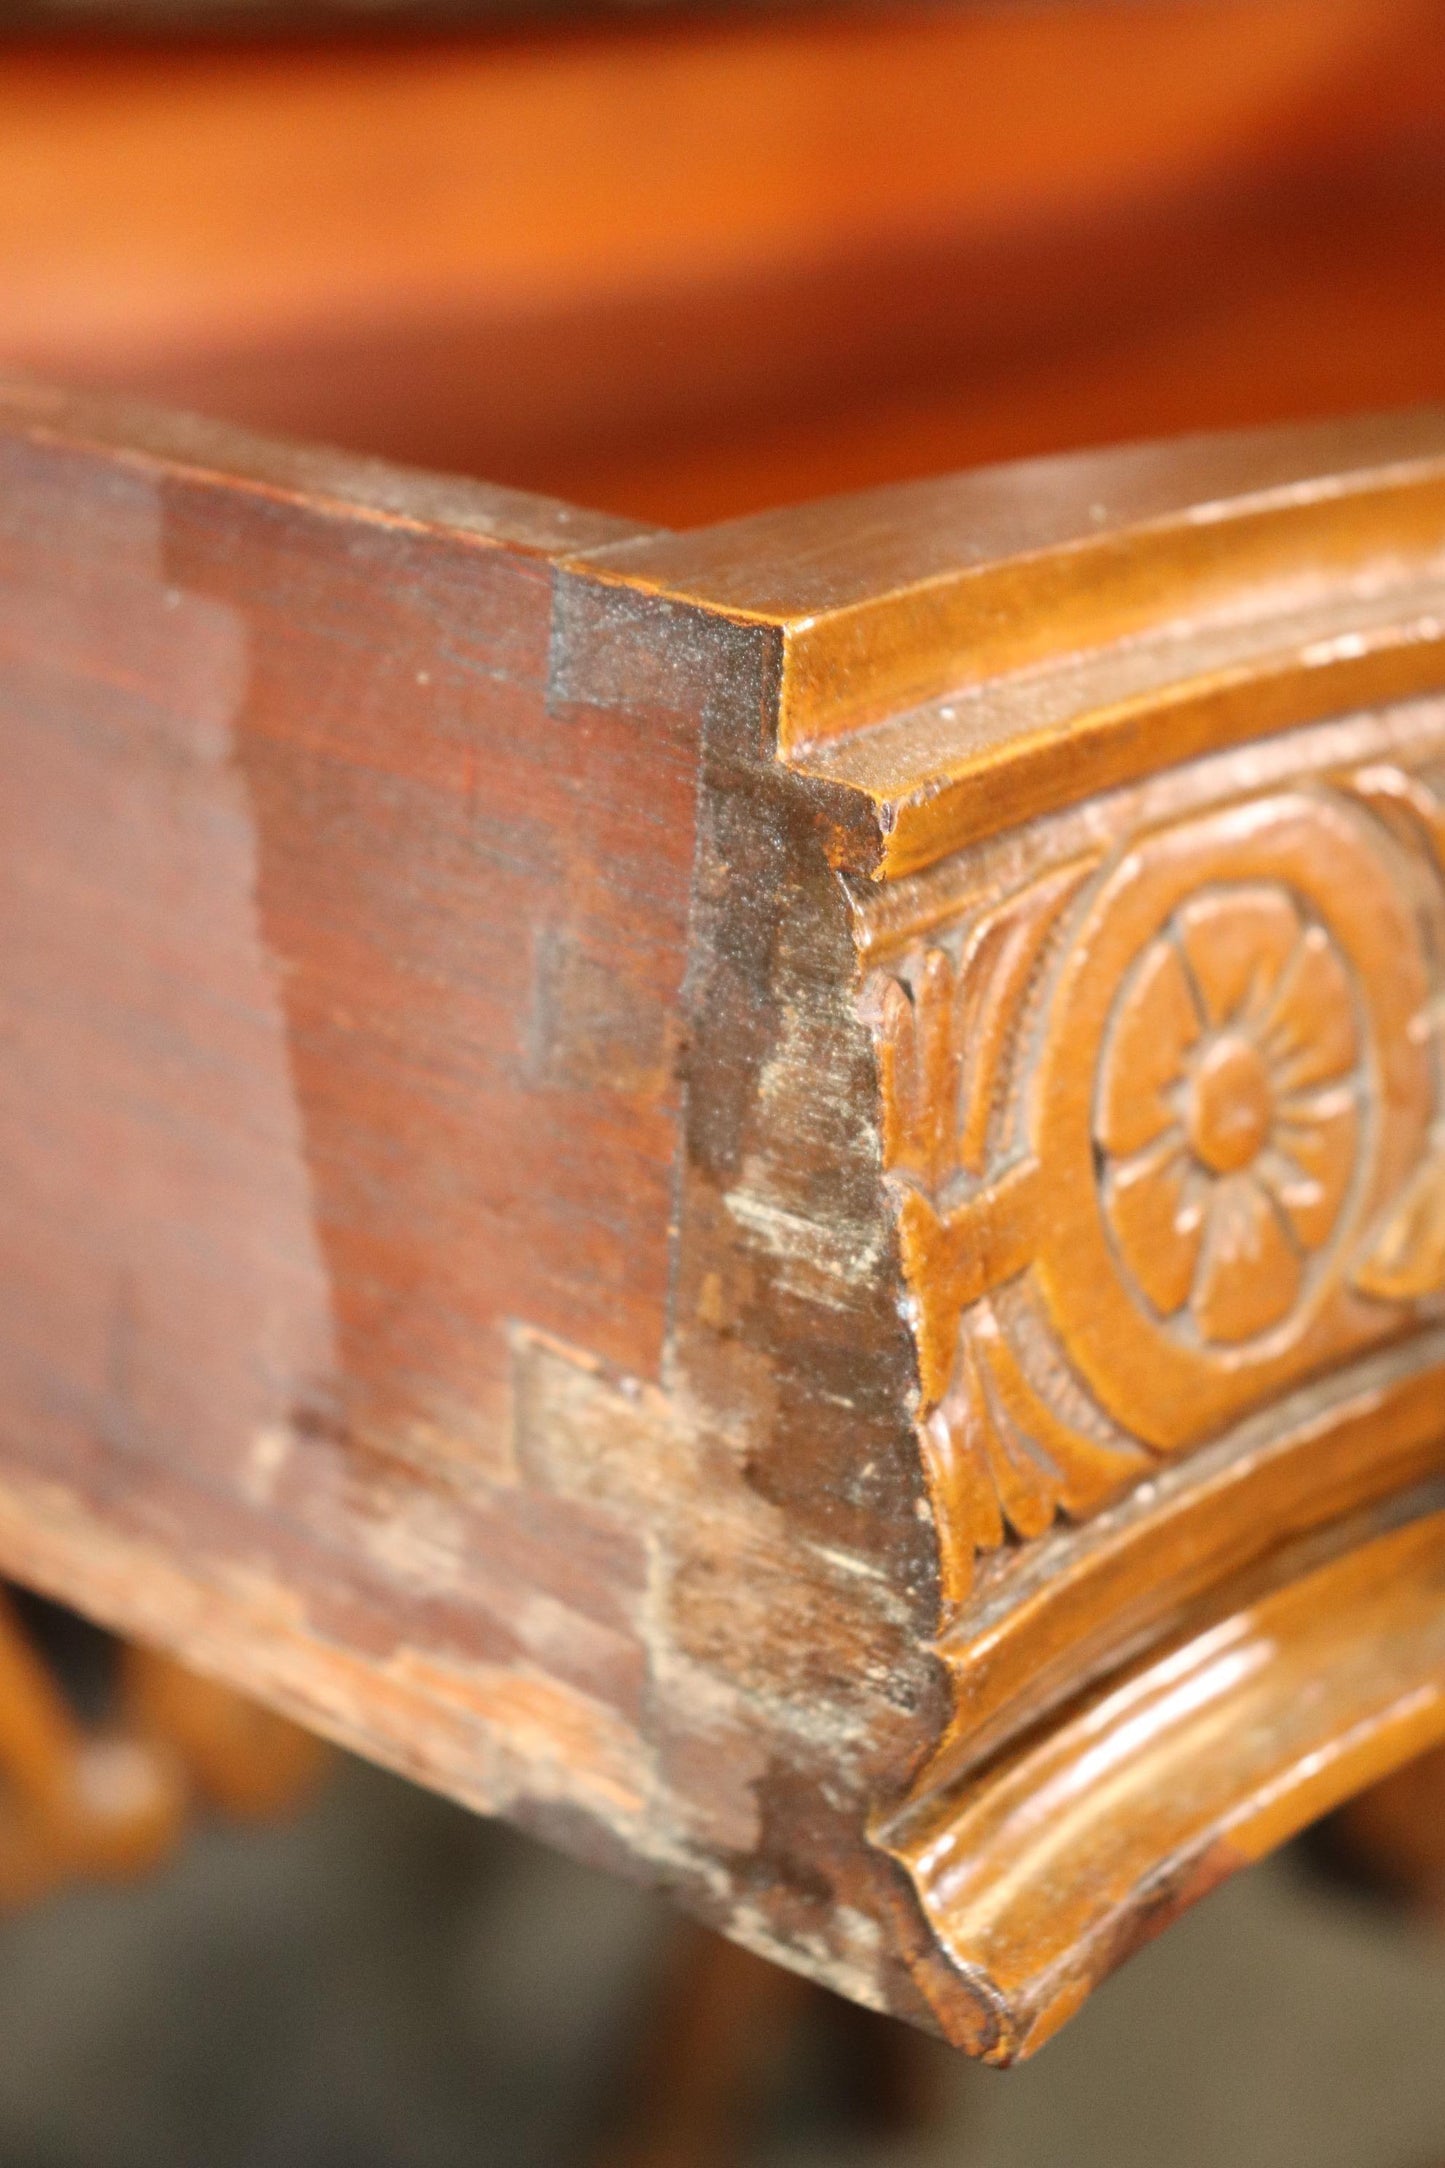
1182	1101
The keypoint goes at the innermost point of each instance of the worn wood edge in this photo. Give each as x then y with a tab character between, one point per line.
423	1722
887	601
1227	1741
247	1634
244	1631
1228	621
321	477
460	1727
1212	625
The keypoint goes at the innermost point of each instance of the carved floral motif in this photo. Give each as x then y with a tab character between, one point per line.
1185	1098
1228	1110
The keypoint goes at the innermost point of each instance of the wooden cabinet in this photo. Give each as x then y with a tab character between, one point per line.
771	1197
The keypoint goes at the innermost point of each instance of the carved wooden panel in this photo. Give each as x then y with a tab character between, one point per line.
1162	1119
1139	830
1164	1126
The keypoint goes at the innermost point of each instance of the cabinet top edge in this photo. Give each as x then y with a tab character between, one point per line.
321	476
898	596
794	563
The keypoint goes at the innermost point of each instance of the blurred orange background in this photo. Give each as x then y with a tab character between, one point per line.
682	267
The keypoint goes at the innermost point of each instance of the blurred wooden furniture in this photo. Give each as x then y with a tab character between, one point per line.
714	2045
107	1796
1392	1836
680	269
772	1197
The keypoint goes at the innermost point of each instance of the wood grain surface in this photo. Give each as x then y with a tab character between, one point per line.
528	1250
349	864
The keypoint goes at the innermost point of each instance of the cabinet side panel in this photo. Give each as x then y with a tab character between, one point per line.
338	979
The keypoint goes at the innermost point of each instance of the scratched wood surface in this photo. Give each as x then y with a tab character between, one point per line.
348	872
768	1198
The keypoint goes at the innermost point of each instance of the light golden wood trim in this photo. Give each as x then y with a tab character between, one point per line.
1204	1756
910	792
1087	1599
885	603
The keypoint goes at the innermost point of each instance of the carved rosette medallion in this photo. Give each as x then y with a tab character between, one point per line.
1229	1112
1162	1131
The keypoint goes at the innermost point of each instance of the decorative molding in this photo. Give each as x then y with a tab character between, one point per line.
1166	1135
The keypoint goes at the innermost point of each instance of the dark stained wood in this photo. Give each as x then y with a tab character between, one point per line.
347	893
